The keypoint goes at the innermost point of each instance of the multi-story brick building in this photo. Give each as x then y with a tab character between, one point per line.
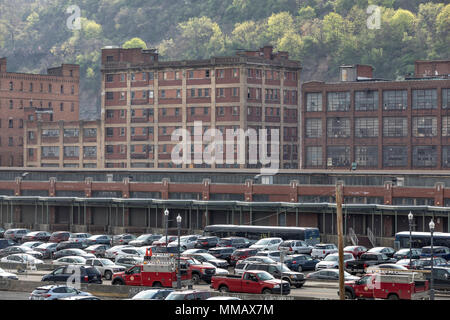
26	97
368	123
145	100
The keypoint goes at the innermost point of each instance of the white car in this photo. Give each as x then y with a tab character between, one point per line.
111	253
69	260
32	244
267	244
79	237
186	242
54	292
272	254
128	252
22	258
105	266
331	261
7	275
321	250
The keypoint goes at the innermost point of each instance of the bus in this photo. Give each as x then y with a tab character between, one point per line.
310	235
421	239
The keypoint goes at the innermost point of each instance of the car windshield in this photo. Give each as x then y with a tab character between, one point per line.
263	242
148	294
331	258
106	262
284	268
175	296
265	276
208	256
320	246
143	237
1	270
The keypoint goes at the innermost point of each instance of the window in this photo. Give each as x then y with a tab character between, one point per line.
61	106
150	94
205	110
338	156
109	132
109	58
109	78
20	123
445	98
72	90
144	76
313	156
395	99
424	126
366	127
31	87
89	132
314	102
50	151
446	156
424	99
178	93
163	93
164	112
122	96
50	133
133	95
109	149
71	151
206	73
235	92
191	74
366	100
11	86
395	127
133	77
313	128
10	141
235	73
109	114
151	76
206	92
62	89
366	156
221	111
424	156
220	73
177	112
338	101
395	156
68	133
338	127
11	104
122	132
50	88
11	123
221	92
122	77
122	113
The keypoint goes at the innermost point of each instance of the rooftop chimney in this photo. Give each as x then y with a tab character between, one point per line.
356	72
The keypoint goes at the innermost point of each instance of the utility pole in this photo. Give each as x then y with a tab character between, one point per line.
339	201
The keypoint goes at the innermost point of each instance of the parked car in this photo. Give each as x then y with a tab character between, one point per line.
441	277
267	244
81	298
162	241
21	258
206	242
206	257
153	294
272	254
186	242
241	254
79	237
72	252
7	275
42	236
87	274
386	267
415	264
223	253
234	242
46	249
260	259
321	250
330	274
357	251
20	249
4	243
331	261
199	271
422	263
106	267
122	239
31	244
300	262
438	251
279	271
128	251
15	234
55	292
388	251
295	246
190	251
59	236
98	250
64	261
129	261
189	295
70	245
111	253
223	298
404	254
145	240
367	259
98	239
2	232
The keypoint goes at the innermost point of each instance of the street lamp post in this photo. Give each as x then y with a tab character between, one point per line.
166	214
179	270
410	219
431	225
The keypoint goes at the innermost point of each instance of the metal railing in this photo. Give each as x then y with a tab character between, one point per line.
352	237
371	237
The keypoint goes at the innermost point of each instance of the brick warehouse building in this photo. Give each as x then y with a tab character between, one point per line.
367	123
29	97
376	202
145	100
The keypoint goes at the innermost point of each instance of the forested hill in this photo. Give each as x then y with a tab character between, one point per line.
321	34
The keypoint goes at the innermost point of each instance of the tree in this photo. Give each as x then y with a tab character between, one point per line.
134	43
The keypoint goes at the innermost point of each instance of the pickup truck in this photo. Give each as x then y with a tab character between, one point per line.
410	286
366	260
250	282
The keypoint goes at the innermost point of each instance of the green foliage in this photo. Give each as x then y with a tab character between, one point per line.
135	43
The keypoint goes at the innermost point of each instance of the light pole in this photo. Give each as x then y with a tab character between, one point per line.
431	225
179	270
166	214
410	219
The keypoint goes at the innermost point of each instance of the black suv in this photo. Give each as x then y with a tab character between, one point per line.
87	274
296	279
70	245
206	242
235	242
222	253
6	243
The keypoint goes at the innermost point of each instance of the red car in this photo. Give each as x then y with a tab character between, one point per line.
162	241
59	236
241	254
357	251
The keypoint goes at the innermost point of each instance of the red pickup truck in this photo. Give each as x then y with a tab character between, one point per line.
410	286
250	282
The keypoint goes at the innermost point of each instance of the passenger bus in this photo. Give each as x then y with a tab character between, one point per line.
421	239
310	235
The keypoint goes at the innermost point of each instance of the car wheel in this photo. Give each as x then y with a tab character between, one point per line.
118	281
108	275
224	289
267	291
298	286
157	284
393	296
348	295
195	278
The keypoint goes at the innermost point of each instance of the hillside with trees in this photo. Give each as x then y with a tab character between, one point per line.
321	34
